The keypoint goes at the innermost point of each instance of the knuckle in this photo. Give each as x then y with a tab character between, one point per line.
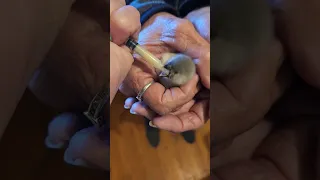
163	111
178	26
184	24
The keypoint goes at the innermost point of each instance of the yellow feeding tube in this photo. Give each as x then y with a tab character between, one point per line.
149	57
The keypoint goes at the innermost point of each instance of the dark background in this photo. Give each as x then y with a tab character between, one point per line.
23	155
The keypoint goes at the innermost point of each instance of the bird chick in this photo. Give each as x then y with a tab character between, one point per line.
181	70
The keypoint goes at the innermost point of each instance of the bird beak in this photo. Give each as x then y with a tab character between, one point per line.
163	74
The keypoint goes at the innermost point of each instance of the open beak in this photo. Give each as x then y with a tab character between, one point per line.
163	74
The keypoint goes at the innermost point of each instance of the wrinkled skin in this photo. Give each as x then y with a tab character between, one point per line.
76	68
171	109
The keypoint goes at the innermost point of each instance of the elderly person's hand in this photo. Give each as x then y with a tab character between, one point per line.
77	67
165	33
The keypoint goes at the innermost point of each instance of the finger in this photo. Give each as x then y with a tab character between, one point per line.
139	108
184	108
191	120
116	4
163	101
124	22
203	69
159	99
121	62
142	109
140	72
201	24
88	147
129	102
126	89
182	36
61	129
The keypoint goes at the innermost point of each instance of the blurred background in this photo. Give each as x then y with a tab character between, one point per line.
23	154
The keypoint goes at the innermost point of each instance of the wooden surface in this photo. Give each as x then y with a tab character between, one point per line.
23	155
132	158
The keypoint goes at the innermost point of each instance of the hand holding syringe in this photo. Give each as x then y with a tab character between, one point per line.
146	55
176	71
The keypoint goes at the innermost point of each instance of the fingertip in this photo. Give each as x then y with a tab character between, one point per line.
124	22
139	108
53	144
151	124
60	129
179	123
86	148
69	159
129	102
168	123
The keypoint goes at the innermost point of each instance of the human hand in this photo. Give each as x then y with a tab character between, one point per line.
165	33
124	22
200	18
77	68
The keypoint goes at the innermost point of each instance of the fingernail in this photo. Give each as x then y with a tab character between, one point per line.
53	144
132	111
68	158
126	107
152	125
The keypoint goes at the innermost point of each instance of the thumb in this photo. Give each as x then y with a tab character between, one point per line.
124	22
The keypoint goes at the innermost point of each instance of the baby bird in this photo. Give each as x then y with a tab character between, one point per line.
181	70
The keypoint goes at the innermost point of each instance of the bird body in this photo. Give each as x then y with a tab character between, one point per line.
181	70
